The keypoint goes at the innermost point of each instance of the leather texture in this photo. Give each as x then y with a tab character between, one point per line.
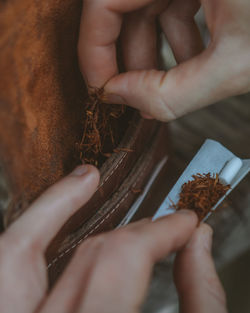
41	111
110	212
41	95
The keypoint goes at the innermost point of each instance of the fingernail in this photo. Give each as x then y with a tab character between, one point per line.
186	212
115	99
80	170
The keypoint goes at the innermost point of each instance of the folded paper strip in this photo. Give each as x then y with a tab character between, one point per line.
211	158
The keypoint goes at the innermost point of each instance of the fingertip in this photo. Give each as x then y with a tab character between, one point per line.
114	99
206	229
185	212
85	177
114	89
201	239
146	116
189	214
93	169
79	170
195	275
84	170
93	173
181	218
179	227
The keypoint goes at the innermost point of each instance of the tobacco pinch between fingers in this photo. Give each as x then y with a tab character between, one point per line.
201	194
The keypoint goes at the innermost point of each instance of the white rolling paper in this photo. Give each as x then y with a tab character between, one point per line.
211	158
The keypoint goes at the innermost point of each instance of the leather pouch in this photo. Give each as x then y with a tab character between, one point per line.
41	112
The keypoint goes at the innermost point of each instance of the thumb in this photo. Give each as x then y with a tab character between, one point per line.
198	285
200	81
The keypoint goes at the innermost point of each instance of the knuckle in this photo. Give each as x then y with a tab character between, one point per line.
236	76
214	288
166	113
19	248
156	83
238	81
123	242
186	14
122	238
95	3
242	82
125	245
149	79
22	244
15	243
153	10
91	242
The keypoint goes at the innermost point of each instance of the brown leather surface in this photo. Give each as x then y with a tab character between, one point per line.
41	95
115	169
115	208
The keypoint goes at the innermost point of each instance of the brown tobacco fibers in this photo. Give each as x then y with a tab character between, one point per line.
99	135
201	194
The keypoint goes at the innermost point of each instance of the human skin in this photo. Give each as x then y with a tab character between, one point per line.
202	76
109	272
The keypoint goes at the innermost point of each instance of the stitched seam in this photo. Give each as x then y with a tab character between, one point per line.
112	172
88	234
102	221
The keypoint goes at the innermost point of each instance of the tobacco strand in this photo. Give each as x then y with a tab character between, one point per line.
98	129
201	194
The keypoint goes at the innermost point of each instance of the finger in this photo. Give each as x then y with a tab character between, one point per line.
139	42
146	116
136	224
139	37
71	286
181	30
196	279
50	211
100	28
121	275
189	86
73	283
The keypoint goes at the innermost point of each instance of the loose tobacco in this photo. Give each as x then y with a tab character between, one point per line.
99	132
201	194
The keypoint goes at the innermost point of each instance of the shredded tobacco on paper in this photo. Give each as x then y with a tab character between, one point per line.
201	194
100	133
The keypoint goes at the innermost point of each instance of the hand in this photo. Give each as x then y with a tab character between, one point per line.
202	77
109	272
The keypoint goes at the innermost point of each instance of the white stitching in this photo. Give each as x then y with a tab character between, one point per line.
112	172
101	222
89	233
